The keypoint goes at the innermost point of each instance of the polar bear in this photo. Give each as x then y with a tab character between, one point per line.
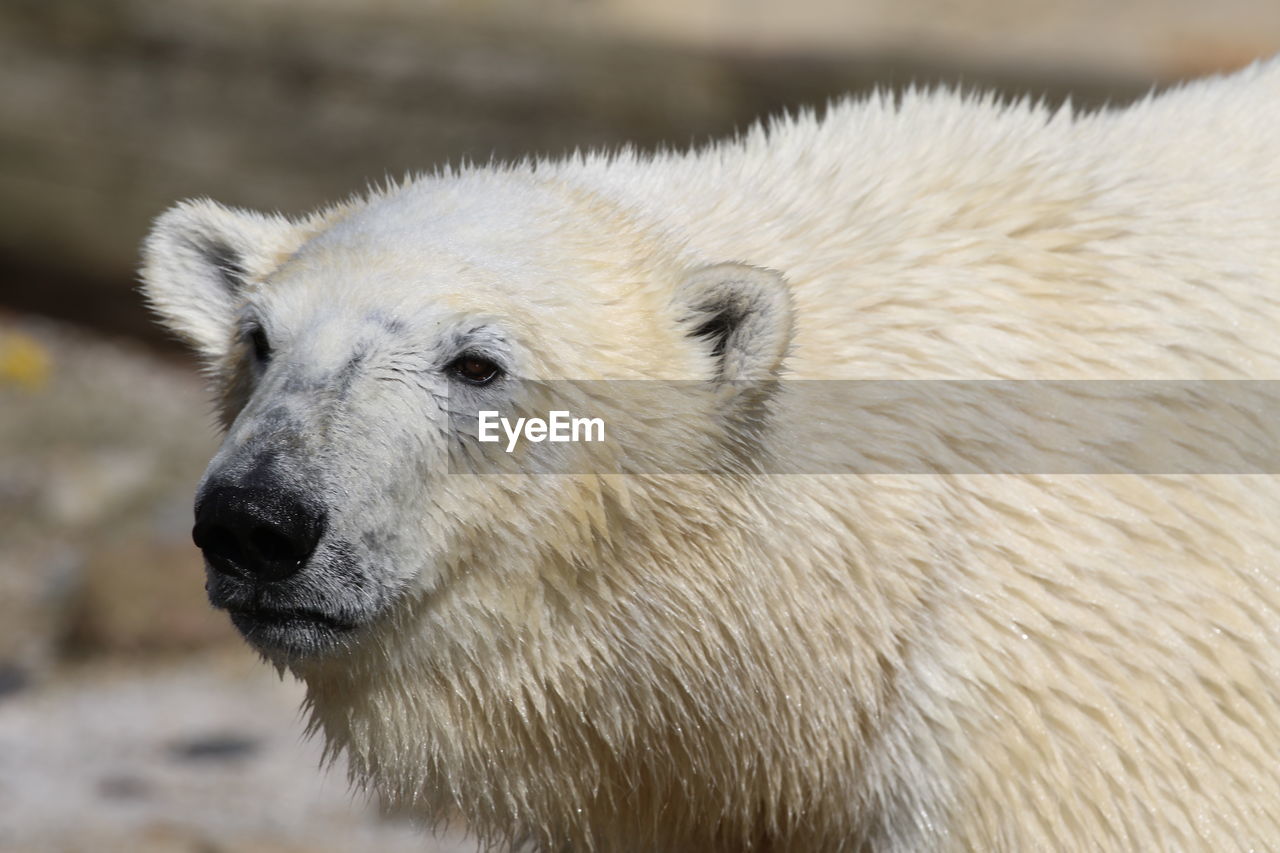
667	657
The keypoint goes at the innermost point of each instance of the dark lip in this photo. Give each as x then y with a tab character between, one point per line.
289	617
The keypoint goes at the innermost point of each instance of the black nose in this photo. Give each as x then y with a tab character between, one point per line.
261	534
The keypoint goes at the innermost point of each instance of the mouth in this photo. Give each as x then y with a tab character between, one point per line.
293	631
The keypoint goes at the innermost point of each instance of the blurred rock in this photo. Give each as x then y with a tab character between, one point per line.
13	679
112	111
1156	39
100	450
200	756
118	109
38	587
145	596
214	747
23	362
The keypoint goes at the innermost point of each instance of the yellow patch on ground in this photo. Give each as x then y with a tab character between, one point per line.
23	361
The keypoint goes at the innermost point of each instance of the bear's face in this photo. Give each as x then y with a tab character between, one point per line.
341	346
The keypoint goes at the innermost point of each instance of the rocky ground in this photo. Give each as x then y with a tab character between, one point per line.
131	716
202	756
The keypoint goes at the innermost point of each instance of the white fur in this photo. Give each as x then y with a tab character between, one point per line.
807	663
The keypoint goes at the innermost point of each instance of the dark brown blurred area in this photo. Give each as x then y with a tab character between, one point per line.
131	717
110	111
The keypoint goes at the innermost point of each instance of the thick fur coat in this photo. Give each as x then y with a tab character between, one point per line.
725	662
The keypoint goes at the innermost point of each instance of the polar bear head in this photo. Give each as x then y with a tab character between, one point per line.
339	345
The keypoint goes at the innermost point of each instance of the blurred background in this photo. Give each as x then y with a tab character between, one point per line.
131	717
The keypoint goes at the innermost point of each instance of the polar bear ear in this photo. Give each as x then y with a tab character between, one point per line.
743	315
198	261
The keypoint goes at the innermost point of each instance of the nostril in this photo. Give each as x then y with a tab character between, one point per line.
217	541
274	547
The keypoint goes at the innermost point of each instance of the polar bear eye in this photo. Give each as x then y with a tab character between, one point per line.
261	346
475	369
